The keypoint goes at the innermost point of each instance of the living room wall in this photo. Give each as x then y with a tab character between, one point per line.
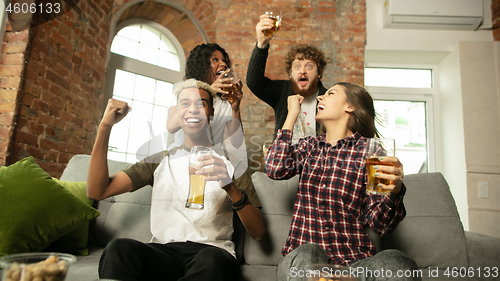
480	75
53	75
467	82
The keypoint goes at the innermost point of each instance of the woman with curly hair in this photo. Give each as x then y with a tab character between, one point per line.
209	63
206	57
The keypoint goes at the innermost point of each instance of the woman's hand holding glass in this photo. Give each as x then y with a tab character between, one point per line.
384	171
392	173
230	87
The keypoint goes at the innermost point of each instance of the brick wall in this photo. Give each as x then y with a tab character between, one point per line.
336	27
11	71
52	80
52	76
174	20
495	19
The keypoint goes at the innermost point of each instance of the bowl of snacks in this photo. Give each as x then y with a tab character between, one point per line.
35	266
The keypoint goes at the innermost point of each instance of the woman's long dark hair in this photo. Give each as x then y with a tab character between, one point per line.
198	65
362	119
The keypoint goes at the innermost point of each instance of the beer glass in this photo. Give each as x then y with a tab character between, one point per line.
375	148
274	14
230	96
197	183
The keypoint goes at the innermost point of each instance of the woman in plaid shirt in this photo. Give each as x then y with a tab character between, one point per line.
332	207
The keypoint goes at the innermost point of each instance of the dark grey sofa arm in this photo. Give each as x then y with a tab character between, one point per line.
482	250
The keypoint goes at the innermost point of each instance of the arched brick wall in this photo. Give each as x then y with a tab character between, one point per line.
177	21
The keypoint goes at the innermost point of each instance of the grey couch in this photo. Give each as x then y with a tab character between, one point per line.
431	232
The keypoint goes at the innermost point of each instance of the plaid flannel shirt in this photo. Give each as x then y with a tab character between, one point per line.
332	207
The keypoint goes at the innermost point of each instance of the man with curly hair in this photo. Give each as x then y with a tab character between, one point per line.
209	63
304	64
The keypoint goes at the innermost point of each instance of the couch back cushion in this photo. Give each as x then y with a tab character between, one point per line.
123	216
277	198
432	232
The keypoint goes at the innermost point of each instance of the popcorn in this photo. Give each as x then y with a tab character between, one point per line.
51	269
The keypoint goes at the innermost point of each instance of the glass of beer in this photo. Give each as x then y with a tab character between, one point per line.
375	148
197	183
274	14
234	88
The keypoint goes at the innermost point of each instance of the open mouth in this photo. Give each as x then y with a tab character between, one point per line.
193	122
303	81
220	72
320	107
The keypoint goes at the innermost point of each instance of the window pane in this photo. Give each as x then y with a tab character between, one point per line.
124	84
164	94
160	114
150	36
159	127
125	47
140	128
131	32
407	78
144	89
142	131
169	60
166	45
146	44
133	158
405	121
117	156
148	54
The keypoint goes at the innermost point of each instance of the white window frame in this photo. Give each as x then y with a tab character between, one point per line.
138	67
427	95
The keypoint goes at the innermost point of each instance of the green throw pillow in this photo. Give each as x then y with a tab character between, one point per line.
74	242
35	209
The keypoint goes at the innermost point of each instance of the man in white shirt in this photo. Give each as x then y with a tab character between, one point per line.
187	244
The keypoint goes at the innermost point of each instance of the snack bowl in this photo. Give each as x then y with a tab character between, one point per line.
35	266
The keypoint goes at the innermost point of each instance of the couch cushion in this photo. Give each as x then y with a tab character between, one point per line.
86	267
124	216
258	273
36	210
78	168
431	233
277	198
